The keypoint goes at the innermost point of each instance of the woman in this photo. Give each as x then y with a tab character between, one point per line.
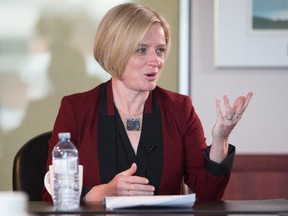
133	137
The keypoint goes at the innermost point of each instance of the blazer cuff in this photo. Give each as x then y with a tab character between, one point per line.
223	168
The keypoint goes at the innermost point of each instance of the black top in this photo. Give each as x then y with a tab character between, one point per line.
114	146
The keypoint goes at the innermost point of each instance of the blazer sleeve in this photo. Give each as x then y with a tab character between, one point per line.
204	177
65	122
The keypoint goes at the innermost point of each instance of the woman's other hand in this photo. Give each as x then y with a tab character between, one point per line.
123	184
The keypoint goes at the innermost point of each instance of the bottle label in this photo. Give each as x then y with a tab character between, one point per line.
65	166
72	166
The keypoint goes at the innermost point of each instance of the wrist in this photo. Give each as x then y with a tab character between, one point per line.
219	150
96	194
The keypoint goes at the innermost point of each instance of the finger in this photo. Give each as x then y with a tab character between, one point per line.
229	110
227	104
218	108
136	180
238	106
247	100
127	186
141	187
140	193
130	171
242	104
137	188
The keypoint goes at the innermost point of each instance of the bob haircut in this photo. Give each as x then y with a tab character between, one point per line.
120	33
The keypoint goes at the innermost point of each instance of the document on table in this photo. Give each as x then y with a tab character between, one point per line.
114	202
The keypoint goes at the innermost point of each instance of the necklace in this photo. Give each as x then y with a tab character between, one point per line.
132	123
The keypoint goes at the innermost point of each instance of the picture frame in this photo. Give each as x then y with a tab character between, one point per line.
240	43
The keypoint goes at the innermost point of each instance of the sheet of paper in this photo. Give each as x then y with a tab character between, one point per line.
114	202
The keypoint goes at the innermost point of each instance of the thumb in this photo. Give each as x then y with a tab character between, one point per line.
130	171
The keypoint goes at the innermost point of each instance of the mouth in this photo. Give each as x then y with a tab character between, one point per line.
151	75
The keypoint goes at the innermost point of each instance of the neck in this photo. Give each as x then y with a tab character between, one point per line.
129	102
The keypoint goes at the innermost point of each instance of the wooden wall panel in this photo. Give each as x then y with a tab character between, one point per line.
258	177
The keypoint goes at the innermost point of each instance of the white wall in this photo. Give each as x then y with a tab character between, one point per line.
264	126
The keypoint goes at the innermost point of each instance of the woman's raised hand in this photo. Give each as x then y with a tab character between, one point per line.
226	121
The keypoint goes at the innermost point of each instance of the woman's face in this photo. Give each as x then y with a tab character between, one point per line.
144	67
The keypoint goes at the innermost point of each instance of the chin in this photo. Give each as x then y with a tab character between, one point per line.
152	87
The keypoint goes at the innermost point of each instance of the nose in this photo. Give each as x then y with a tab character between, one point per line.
153	59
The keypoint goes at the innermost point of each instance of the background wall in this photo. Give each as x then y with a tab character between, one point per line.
46	52
264	128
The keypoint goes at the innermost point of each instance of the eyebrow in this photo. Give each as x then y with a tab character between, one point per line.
147	45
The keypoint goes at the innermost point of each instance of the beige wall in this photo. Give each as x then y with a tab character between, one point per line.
263	128
169	9
67	34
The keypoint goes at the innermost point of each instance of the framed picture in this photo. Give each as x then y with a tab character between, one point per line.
251	33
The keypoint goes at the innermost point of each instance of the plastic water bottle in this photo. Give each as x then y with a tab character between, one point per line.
65	167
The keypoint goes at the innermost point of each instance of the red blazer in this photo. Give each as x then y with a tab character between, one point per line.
185	153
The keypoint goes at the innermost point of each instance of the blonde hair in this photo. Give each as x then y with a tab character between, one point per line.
120	33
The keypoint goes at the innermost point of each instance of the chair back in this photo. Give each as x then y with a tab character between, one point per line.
29	166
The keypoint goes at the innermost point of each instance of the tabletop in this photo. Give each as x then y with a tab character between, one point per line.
228	207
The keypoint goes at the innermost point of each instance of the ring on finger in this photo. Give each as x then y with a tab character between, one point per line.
230	118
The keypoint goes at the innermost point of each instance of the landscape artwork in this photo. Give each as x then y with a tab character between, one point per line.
270	15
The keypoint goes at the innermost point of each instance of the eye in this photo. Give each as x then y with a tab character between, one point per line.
141	50
160	51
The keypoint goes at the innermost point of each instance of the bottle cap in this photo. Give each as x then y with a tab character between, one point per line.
64	135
